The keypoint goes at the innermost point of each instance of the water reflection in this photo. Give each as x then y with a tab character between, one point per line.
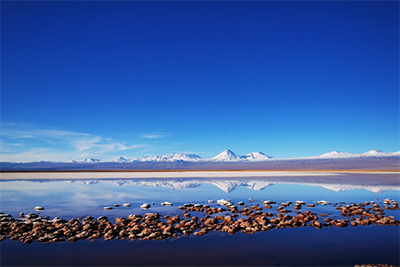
89	196
82	197
226	185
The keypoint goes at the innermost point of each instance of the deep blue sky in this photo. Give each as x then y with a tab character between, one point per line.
289	79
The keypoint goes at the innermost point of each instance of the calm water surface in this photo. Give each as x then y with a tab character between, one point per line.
304	246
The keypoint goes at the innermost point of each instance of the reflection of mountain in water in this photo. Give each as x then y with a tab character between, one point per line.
91	182
375	189
229	185
176	184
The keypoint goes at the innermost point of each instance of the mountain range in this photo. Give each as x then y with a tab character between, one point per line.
371	153
230	156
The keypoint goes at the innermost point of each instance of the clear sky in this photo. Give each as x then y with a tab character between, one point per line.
114	78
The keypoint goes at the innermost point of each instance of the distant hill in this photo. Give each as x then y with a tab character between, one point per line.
360	163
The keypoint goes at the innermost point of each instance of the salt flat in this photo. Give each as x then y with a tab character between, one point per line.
171	174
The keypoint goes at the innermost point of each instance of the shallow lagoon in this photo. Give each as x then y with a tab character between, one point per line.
305	246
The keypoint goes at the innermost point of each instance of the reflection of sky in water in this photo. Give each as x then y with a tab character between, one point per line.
80	198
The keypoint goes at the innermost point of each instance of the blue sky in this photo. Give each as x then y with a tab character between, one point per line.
114	78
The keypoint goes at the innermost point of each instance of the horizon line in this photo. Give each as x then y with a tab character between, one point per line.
211	170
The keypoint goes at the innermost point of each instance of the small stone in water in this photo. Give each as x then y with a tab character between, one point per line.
39	208
223	201
322	202
116	205
107	208
145	206
267	202
126	204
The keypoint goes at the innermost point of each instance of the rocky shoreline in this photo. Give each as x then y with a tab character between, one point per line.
196	219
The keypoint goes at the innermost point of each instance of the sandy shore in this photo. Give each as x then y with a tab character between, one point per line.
178	174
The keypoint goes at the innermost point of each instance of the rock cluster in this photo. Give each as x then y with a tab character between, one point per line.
369	212
196	219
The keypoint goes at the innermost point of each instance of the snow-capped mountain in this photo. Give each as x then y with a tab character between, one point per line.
337	154
227	155
376	153
169	157
256	156
147	158
371	153
120	159
181	156
90	160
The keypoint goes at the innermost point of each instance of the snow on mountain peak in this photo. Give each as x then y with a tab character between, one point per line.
256	156
120	159
170	157
378	153
147	158
90	160
337	154
371	153
180	156
374	152
227	155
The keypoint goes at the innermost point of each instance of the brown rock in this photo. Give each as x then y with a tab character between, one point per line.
317	225
211	222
